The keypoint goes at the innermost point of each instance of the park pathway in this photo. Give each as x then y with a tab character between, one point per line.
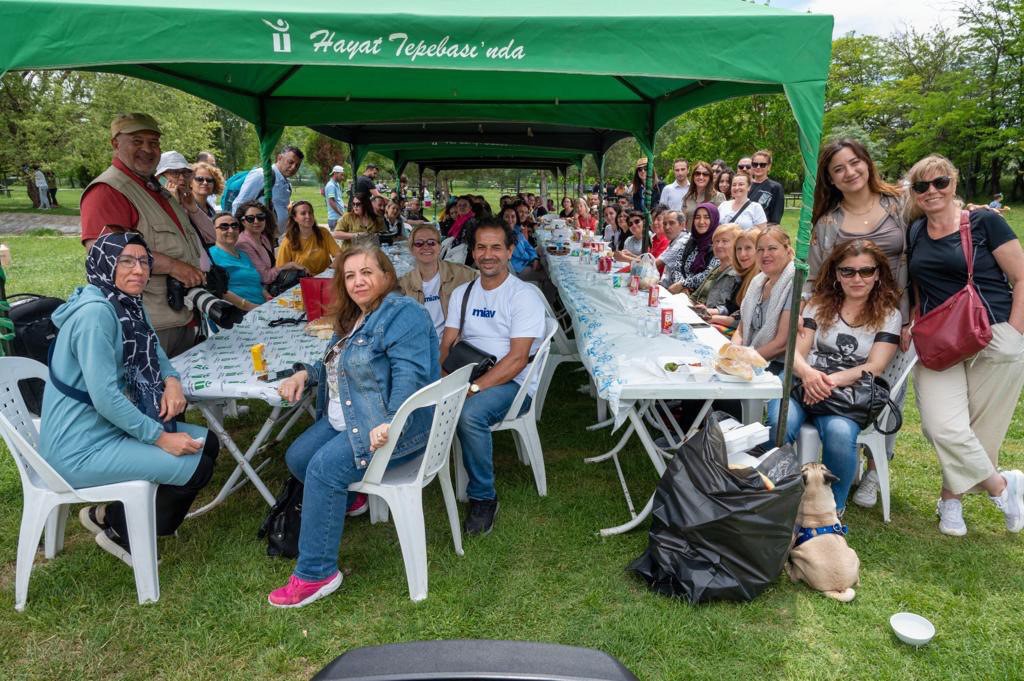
16	223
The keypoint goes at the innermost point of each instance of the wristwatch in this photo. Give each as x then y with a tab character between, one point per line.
474	388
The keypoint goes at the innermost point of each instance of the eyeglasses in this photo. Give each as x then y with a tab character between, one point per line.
229	225
428	243
356	203
743	166
258	217
941	182
203	180
701	173
759	164
636	221
129	262
864	272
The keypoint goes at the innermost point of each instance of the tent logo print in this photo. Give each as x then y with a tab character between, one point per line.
282	40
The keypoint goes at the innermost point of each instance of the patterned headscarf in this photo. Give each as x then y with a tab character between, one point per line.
142	366
702	242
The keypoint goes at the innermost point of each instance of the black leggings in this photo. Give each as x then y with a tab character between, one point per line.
172	501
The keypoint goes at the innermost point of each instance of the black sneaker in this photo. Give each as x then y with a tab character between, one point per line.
481	516
92	519
116	545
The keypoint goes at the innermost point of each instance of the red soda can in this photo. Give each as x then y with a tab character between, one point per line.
634	285
652	296
667	320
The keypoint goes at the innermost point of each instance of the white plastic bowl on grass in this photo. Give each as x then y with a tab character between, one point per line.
912	629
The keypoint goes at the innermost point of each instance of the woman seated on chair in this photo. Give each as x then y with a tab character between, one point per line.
764	312
306	243
431	282
359	219
384	349
850	325
110	403
712	297
244	288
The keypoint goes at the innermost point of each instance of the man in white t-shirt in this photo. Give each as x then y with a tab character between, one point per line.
504	318
672	195
42	187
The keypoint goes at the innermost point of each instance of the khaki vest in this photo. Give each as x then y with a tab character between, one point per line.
162	236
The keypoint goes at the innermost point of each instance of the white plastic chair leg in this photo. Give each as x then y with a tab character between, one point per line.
33	518
407	508
140	514
875	443
53	539
535	452
445	480
461	476
808	444
522	443
378	509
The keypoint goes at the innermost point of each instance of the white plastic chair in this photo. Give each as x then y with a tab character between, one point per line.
523	426
401	488
446	245
47	495
563	349
896	375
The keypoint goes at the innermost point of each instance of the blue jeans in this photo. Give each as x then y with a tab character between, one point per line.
838	444
322	459
480	412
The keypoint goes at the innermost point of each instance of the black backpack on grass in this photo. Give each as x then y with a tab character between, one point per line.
283	521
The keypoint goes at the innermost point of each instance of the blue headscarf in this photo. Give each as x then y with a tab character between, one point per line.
141	362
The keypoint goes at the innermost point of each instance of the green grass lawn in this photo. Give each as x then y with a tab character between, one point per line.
542	575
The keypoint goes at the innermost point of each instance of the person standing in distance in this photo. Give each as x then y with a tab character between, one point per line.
286	165
504	318
765	190
332	194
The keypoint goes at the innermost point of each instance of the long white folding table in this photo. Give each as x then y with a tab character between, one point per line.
626	367
219	371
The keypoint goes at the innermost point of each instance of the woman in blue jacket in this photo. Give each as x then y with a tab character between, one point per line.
384	349
112	396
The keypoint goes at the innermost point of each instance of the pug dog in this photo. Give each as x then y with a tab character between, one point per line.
825	562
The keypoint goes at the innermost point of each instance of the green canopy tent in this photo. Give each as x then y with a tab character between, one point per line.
396	61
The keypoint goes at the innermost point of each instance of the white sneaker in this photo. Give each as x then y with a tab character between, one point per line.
1011	501
867	493
951	517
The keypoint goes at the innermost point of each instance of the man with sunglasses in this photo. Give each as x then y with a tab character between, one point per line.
252	189
673	194
765	190
432	280
127	194
743	165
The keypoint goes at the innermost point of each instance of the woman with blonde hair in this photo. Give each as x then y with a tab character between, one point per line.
744	262
967	408
713	295
765	310
384	349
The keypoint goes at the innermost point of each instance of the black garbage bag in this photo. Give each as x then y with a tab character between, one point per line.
719	534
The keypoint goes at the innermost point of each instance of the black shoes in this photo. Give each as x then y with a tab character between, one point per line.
481	516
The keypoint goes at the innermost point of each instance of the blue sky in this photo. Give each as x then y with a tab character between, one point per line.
879	17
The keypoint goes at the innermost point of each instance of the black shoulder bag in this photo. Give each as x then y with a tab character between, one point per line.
463	353
862	402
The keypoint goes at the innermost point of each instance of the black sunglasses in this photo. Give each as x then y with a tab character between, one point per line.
864	272
258	217
229	225
203	180
636	221
759	164
701	173
941	182
743	167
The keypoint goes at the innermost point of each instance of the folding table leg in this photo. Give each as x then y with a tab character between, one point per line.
243	459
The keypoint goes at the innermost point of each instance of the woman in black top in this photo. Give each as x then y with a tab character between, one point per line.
966	409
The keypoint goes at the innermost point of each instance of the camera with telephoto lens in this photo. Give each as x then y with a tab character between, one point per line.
207	303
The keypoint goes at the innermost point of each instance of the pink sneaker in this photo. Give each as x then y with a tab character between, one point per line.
359	505
298	592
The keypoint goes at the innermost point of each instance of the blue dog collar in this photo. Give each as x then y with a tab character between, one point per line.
805	533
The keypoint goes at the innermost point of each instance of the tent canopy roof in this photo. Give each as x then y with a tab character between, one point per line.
313	63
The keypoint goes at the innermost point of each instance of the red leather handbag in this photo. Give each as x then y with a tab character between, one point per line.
959	327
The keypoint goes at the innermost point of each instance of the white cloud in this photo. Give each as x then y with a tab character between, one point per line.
879	17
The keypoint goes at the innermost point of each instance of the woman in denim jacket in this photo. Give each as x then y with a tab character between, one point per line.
384	349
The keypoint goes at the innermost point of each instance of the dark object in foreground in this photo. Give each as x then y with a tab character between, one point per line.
468	659
719	534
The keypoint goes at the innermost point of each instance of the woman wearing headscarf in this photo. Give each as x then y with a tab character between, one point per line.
697	259
112	396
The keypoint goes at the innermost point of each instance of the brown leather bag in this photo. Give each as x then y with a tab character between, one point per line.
959	327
